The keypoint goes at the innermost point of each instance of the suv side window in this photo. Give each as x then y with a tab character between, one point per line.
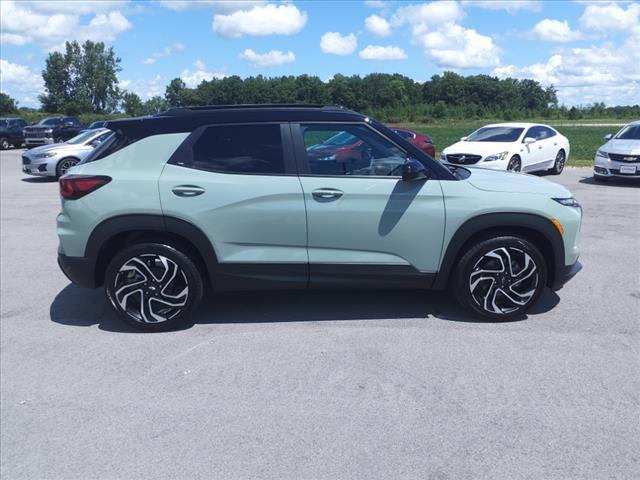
350	149
72	121
248	149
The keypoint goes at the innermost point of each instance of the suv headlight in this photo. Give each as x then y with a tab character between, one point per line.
46	155
496	156
328	158
568	202
443	157
602	153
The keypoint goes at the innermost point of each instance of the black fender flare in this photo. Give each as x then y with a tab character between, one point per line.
486	222
109	228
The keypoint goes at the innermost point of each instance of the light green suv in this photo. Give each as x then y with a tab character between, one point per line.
301	196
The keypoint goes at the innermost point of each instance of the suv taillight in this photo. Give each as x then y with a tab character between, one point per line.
73	187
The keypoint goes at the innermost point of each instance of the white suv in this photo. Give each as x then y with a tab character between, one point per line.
620	156
526	147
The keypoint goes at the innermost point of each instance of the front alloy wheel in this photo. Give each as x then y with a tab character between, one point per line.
153	286
64	165
500	278
514	165
558	166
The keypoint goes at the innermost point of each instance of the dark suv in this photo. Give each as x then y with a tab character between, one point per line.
11	132
234	198
52	130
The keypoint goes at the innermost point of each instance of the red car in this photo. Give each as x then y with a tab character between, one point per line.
420	140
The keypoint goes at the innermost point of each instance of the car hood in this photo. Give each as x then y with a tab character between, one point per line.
511	182
479	148
631	147
57	147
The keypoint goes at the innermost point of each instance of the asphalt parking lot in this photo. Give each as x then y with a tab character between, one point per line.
326	384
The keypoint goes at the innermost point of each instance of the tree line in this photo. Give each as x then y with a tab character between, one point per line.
83	79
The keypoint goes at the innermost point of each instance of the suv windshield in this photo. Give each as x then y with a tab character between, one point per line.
630	132
495	134
83	137
50	121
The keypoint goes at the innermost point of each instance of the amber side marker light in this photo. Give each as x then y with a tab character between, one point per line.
558	226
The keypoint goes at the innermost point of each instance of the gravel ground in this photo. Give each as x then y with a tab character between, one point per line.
328	384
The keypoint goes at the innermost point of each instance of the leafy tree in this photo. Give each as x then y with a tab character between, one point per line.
7	104
85	77
154	105
176	93
132	104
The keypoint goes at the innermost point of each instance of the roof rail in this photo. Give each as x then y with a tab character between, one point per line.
206	108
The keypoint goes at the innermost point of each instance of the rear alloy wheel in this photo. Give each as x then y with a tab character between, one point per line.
153	286
4	143
64	165
558	166
500	278
515	165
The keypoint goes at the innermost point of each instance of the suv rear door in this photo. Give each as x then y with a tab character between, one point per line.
238	184
364	221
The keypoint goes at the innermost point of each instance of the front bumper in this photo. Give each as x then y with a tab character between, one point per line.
565	274
78	270
605	167
45	167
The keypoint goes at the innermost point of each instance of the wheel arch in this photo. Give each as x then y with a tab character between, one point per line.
535	228
115	233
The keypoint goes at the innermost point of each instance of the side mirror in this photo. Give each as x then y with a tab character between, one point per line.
608	136
462	139
95	143
529	140
412	169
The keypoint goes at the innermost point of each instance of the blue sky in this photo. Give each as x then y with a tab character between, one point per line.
590	50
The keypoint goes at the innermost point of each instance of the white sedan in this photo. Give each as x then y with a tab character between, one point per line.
526	147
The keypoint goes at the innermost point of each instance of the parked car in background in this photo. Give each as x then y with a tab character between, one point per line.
420	140
54	160
94	125
620	156
526	147
233	198
11	132
52	130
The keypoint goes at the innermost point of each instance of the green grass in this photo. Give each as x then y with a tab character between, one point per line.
584	140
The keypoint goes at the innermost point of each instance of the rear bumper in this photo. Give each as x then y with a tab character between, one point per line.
565	274
78	270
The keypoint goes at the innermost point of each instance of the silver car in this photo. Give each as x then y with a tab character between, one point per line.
620	156
54	160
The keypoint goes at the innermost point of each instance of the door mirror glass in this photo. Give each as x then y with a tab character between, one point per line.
412	169
529	140
608	136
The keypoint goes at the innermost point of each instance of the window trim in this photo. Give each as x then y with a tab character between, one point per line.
301	151
183	156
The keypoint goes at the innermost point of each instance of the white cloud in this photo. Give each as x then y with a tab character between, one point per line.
459	47
554	31
377	25
220	6
608	72
165	52
269	59
375	3
284	19
611	17
378	52
194	78
428	15
336	44
511	6
20	82
50	24
144	88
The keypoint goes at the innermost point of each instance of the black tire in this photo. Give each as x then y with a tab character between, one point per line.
65	164
4	143
558	166
133	289
600	178
515	164
479	269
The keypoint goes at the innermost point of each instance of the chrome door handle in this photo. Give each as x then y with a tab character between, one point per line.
187	190
327	193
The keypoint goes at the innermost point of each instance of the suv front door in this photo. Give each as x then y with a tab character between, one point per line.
238	184
364	221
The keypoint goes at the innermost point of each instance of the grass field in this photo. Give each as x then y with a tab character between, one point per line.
584	139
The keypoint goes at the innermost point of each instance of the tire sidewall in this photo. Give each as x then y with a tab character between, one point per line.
4	144
556	170
191	271
517	159
468	261
59	172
